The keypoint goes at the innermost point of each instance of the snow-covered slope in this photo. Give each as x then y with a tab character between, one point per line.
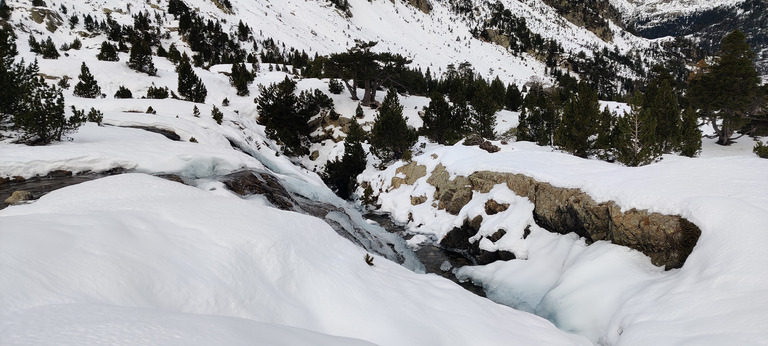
124	251
610	294
649	8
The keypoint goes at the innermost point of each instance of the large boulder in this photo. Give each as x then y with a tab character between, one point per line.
19	197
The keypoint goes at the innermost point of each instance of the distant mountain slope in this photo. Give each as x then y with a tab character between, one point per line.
705	21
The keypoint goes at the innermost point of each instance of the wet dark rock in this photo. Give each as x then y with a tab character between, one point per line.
458	240
246	183
40	185
172	177
489	147
170	134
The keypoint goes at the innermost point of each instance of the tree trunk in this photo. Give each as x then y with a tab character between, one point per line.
367	97
352	88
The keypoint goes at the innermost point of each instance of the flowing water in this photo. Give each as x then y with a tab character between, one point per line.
432	255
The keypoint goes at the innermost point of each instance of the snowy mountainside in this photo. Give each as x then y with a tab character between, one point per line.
433	40
647	8
706	22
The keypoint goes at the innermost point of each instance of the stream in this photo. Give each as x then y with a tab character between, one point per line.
433	256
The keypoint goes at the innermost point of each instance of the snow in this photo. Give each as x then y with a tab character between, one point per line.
123	251
133	259
652	8
607	293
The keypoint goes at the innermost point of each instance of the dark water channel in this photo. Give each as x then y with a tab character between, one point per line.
432	255
40	186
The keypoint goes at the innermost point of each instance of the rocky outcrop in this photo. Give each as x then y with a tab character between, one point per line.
496	37
423	5
666	239
408	174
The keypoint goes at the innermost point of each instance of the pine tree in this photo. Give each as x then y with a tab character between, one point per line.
42	119
5	11
278	112
605	138
539	117
243	31
690	135
157	93
190	86
342	174
635	142
86	86
728	93
441	123
34	46
123	93
359	111
217	115
498	92
577	127
173	55
513	98
141	58
391	137
661	100
108	52
9	90
241	78
49	49
196	111
484	116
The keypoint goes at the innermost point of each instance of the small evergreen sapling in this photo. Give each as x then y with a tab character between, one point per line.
123	93
335	86
157	93
196	111
369	260
217	115
359	111
761	150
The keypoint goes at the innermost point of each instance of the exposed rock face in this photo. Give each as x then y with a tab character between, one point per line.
422	5
498	38
19	197
666	239
411	172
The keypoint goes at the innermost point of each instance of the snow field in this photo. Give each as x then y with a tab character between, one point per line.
135	246
607	293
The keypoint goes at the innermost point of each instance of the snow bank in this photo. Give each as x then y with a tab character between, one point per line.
611	294
135	249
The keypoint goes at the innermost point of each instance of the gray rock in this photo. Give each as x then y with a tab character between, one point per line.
19	197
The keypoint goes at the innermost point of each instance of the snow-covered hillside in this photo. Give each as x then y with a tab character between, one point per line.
650	8
138	259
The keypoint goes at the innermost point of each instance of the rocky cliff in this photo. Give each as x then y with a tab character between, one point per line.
666	239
